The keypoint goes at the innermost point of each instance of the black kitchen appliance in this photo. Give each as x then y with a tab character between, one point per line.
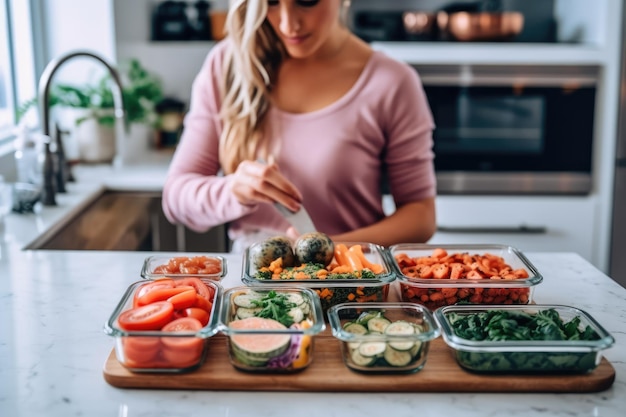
170	22
512	130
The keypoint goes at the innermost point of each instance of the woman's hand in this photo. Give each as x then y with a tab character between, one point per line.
255	182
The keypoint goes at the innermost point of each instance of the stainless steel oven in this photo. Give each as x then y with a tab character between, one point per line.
512	129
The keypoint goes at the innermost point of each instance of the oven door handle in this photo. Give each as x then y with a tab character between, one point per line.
521	229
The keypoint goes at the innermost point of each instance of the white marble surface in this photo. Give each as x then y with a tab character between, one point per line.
147	174
53	305
52	348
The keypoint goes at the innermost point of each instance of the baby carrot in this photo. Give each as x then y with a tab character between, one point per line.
358	250
340	254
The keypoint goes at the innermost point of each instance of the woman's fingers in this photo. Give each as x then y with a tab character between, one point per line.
258	182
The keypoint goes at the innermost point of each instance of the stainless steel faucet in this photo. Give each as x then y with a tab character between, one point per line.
49	187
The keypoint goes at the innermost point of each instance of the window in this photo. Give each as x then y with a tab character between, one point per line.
6	74
17	62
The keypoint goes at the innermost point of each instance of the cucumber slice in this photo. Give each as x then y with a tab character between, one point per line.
244	313
415	350
354	345
370	349
401	328
418	328
295	298
397	357
367	316
378	324
305	307
296	314
272	348
246	300
361	360
356	328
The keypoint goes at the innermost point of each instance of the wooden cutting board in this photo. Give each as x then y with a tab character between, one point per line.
327	373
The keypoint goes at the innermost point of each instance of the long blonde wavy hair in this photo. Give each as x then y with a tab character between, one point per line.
250	67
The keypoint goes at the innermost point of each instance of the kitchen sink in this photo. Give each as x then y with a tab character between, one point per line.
127	221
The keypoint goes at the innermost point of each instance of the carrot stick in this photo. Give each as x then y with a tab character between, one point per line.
358	251
340	254
354	261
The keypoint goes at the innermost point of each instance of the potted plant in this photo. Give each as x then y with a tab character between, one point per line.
86	111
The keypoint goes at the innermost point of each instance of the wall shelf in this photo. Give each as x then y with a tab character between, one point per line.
493	53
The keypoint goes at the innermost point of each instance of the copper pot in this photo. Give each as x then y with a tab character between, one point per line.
481	26
419	23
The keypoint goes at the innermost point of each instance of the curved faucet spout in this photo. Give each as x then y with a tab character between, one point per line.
51	69
44	108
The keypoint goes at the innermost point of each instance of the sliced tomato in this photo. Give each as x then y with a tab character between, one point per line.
203	303
203	289
182	325
184	299
156	363
141	349
150	286
182	358
149	317
198	313
162	294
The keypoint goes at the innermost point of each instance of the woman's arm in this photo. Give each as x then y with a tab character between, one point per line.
413	222
194	194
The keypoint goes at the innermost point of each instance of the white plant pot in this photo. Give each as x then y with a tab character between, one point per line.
96	143
136	143
66	118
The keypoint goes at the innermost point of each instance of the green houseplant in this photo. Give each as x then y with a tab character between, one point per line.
91	107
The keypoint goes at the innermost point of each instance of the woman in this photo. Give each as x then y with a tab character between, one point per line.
292	108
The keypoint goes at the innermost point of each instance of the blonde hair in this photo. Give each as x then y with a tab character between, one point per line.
250	68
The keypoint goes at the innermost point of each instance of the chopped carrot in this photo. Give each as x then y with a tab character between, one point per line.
340	254
301	275
326	293
353	261
321	273
358	250
341	269
367	298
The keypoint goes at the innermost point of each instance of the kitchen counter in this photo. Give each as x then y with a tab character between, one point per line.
54	304
145	174
52	347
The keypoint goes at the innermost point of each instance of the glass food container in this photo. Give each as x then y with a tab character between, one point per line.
200	266
164	325
347	287
525	356
270	329
383	337
440	275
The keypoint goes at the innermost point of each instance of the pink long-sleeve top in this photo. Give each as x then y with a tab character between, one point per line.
335	155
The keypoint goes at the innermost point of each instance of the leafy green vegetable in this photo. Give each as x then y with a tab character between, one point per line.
495	325
500	325
275	306
310	269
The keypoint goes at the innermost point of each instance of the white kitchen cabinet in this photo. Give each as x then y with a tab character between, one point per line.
528	223
553	224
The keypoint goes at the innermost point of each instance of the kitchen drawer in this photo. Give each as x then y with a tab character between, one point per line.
555	224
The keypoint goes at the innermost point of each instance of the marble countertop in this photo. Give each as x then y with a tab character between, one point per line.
53	305
52	347
145	174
